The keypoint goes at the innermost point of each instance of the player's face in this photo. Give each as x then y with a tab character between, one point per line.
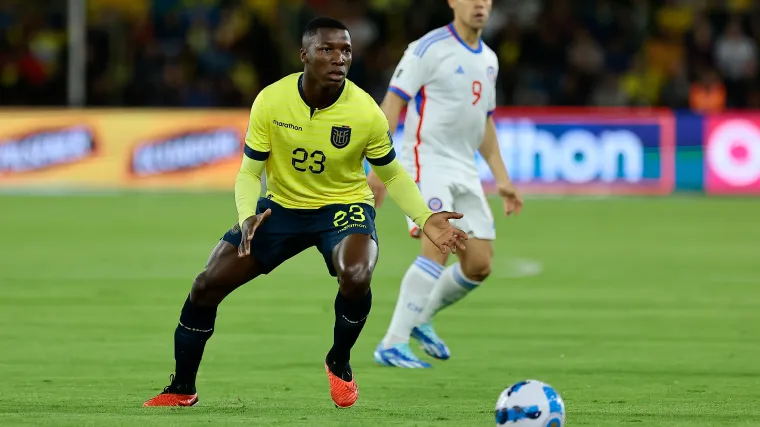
474	13
329	55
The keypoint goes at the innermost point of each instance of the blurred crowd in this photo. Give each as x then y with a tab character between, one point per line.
698	54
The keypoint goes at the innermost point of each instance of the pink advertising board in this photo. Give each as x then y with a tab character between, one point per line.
732	154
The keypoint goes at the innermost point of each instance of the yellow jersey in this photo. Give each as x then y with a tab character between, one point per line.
315	157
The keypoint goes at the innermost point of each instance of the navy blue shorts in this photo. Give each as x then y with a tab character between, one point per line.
288	232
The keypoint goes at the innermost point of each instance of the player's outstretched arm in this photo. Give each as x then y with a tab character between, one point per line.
392	105
247	191
489	149
436	226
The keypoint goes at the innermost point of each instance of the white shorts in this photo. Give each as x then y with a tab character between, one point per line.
456	194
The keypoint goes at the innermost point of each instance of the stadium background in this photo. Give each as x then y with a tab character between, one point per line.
638	303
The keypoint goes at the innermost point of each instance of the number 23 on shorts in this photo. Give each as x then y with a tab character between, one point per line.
355	213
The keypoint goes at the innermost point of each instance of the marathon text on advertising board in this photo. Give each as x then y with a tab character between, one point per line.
577	155
584	154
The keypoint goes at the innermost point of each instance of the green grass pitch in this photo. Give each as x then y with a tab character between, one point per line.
646	312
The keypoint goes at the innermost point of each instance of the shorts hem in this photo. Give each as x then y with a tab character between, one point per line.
264	268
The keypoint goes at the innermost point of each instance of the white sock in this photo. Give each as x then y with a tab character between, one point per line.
416	286
450	288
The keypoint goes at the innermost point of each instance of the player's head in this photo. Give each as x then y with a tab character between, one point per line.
326	50
473	13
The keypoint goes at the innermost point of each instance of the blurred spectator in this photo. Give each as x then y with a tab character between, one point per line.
642	83
585	54
676	89
675	17
736	58
699	46
707	94
609	93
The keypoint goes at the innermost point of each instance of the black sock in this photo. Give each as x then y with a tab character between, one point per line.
350	316
196	324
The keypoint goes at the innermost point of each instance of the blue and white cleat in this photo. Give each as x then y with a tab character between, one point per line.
430	342
400	356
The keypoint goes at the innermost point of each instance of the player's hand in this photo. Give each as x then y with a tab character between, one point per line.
378	188
444	235
513	202
249	227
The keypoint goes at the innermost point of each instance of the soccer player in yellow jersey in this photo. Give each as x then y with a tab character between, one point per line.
312	131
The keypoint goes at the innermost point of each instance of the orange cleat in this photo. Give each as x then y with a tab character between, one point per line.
344	393
174	395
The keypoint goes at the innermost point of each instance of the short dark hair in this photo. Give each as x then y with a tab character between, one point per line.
321	22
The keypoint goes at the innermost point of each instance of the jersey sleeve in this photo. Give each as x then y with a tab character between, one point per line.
492	98
411	72
379	151
492	104
248	188
257	146
404	191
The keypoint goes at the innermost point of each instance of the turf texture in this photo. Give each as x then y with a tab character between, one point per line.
645	311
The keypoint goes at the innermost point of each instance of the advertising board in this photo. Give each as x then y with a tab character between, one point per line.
574	152
732	154
546	150
121	149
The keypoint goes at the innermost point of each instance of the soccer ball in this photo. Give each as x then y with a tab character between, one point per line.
530	403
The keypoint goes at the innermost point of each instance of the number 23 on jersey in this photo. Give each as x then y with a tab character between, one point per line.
316	161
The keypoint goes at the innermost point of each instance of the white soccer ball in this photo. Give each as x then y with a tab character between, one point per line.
530	403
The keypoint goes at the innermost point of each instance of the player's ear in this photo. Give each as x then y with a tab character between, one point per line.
304	56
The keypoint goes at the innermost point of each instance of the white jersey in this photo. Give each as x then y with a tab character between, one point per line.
450	88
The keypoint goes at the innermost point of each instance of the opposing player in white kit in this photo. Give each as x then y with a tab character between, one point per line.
448	80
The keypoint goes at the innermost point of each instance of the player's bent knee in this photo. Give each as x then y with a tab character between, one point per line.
355	280
203	292
477	271
200	290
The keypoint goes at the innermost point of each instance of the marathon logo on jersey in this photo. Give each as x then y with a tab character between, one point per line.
340	136
187	151
45	149
287	125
